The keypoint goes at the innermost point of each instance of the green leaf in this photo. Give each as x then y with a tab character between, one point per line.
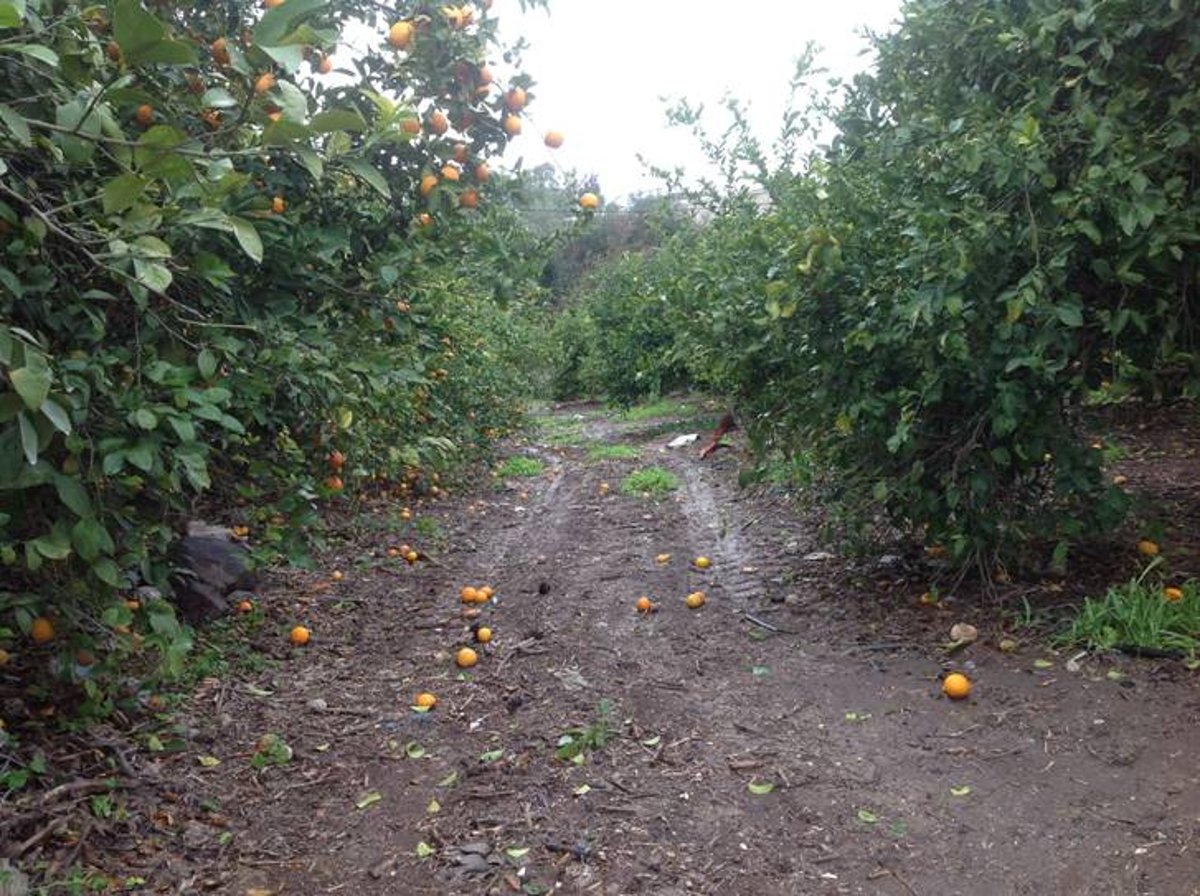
247	237
337	120
311	162
866	816
91	539
29	437
72	493
12	13
107	572
413	750
277	22
36	51
289	58
145	419
218	98
369	174
960	791
122	193
1070	315
760	788
59	418
143	38
424	850
156	153
141	456
54	546
370	798
16	123
32	382
206	363
152	275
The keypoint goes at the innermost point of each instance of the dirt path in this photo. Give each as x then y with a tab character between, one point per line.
802	674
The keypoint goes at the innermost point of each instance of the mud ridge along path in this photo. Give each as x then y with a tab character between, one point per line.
787	738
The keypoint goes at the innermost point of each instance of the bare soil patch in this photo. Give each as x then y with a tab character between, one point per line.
806	674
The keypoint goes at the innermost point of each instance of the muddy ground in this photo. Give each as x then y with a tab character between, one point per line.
789	737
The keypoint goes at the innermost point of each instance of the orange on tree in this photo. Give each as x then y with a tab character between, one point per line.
271	4
483	634
589	201
469	199
438	123
482	172
512	125
466	658
278	205
956	686
515	99
334	483
336	459
411	126
451	172
325	66
299	635
424	219
554	139
485	75
145	114
264	83
220	51
113	51
428	182
41	630
461	153
400	35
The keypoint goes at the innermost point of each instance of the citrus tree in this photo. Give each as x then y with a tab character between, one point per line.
244	260
1001	232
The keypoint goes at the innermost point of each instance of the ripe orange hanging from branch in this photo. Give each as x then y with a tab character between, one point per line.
264	84
554	139
512	125
400	35
589	202
515	99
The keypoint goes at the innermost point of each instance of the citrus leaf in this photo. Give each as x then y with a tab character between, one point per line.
370	798
760	788
960	791
208	761
369	174
866	816
424	850
247	238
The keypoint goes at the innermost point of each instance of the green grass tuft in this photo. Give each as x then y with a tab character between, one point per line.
662	408
654	481
520	466
1138	614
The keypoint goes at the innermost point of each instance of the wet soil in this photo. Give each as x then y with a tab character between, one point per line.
788	737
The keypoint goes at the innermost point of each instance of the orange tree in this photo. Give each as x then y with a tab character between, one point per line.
1002	231
230	247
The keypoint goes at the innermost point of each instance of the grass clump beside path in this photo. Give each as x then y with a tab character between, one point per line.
520	466
1141	614
653	481
612	452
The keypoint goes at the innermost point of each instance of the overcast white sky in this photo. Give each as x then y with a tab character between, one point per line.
602	67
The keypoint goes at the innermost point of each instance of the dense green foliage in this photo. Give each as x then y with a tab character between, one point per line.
1003	229
218	266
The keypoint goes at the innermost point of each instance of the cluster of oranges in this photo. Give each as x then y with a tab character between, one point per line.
694	600
472	596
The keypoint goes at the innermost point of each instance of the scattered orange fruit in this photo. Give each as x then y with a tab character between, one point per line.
469	595
393	552
483	634
589	201
299	635
4	657
466	658
928	599
1148	548
412	556
264	83
1172	594
245	606
702	563
337	575
695	600
470	612
662	558
644	605
400	35
486	592
334	483
956	686
554	139
41	630
145	114
425	700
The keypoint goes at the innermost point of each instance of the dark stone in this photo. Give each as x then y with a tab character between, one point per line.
210	565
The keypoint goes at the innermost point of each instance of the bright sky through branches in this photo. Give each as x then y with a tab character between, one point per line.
603	67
